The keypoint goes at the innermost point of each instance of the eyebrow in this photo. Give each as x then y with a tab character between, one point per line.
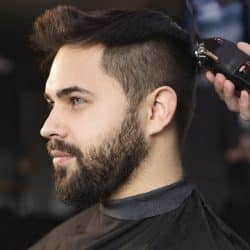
67	91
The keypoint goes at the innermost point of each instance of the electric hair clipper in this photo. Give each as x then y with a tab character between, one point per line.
222	56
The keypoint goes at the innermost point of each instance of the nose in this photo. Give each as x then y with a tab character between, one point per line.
53	126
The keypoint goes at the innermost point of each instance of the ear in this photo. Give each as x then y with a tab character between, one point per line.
161	107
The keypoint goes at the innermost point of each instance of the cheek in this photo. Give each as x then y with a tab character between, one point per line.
95	124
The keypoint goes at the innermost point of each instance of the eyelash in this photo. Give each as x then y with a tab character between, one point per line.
50	105
71	101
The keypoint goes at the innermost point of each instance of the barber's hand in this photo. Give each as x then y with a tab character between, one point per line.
226	90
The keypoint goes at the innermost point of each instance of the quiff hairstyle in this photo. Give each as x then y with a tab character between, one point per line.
143	49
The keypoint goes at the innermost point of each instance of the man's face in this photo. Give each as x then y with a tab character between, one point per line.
95	138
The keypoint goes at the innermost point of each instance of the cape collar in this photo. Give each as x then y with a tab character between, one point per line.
153	203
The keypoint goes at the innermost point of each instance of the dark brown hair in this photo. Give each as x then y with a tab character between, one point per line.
143	49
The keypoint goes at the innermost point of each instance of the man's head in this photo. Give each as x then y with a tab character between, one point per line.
118	80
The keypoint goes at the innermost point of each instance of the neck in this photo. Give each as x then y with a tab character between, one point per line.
161	167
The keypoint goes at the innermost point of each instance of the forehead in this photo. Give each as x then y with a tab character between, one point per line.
80	66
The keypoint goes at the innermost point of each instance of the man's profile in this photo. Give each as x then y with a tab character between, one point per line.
121	91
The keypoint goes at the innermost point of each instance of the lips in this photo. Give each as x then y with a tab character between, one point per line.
59	157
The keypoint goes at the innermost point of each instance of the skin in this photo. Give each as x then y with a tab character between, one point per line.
226	90
86	118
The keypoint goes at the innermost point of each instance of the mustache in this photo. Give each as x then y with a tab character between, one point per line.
62	146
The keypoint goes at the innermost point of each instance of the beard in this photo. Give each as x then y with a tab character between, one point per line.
101	170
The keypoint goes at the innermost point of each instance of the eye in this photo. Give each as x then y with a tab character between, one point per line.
75	101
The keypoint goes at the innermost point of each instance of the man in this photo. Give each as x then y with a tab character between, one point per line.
226	90
121	92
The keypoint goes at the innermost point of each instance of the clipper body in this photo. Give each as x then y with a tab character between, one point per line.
222	56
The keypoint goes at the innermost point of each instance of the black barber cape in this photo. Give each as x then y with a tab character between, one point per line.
174	217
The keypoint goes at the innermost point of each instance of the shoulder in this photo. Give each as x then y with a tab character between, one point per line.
208	227
194	226
67	229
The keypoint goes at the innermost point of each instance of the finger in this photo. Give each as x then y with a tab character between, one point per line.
219	84
244	105
210	76
245	47
231	100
